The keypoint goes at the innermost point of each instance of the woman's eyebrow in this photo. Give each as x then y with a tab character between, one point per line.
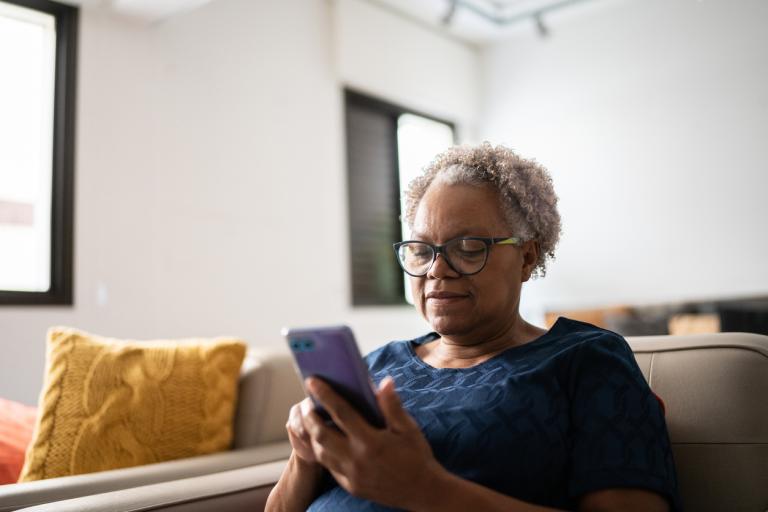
416	235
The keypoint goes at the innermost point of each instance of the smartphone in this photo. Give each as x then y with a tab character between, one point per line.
331	354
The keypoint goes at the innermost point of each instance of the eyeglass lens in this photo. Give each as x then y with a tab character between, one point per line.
466	256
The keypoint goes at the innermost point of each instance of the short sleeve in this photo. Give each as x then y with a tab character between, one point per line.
620	438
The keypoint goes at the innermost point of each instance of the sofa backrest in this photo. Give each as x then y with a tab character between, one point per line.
715	388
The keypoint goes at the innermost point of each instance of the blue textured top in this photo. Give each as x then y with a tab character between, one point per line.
546	422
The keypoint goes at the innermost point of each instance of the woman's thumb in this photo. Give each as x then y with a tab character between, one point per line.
396	417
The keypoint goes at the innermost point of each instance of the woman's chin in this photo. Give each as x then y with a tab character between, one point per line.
447	325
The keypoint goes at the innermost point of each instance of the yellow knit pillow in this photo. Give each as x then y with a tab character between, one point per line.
110	404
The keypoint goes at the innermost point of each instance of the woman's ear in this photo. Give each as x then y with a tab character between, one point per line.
531	250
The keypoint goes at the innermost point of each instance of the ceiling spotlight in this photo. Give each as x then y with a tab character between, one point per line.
540	26
450	13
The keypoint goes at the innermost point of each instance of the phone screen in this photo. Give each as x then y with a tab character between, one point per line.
331	353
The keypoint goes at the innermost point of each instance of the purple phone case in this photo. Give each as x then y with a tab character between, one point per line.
331	354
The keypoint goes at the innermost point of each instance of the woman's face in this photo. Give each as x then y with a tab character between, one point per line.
483	305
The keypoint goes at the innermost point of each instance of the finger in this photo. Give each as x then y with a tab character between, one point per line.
302	448
327	458
306	407
395	415
298	436
298	441
343	414
324	434
295	424
329	445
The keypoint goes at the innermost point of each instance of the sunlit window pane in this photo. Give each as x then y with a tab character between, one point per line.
27	65
419	139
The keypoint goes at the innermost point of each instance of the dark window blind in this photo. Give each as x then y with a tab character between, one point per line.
374	201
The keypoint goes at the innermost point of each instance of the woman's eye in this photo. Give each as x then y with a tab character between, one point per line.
470	253
469	248
420	253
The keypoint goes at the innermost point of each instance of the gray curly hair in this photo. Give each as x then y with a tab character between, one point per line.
528	200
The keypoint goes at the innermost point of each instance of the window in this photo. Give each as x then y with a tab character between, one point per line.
37	63
387	146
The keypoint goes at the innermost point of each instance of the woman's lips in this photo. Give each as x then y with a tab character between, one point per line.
445	298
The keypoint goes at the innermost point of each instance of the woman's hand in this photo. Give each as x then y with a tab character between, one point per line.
300	482
393	466
298	434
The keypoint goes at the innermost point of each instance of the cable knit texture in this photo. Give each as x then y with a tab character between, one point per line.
109	404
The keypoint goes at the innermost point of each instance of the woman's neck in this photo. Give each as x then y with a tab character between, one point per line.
465	351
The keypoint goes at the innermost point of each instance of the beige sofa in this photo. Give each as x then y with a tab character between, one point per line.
715	387
268	386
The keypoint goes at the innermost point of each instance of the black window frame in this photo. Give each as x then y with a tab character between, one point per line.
62	175
353	97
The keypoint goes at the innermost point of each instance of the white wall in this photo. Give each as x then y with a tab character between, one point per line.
113	214
210	174
651	116
380	54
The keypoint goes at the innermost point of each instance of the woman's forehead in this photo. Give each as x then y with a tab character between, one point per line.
458	210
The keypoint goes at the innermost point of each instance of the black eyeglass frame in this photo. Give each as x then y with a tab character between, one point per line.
440	249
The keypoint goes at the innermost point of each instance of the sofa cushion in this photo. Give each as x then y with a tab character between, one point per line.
110	403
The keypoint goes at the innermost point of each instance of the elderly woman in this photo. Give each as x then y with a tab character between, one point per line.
488	412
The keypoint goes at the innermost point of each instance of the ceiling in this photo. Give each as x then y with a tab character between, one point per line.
481	21
147	10
473	21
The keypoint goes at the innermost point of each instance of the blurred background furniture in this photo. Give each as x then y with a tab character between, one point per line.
714	387
692	317
268	387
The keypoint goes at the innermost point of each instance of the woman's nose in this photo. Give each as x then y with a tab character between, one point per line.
440	269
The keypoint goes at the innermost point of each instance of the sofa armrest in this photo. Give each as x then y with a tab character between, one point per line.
238	490
25	494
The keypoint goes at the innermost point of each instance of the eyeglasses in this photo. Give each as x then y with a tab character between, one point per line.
465	255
